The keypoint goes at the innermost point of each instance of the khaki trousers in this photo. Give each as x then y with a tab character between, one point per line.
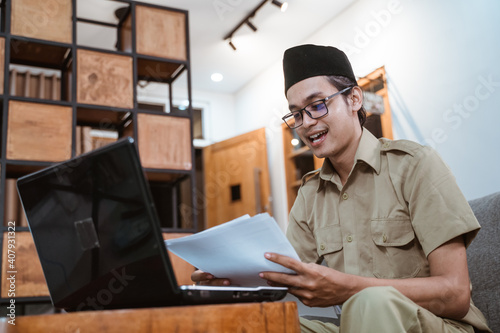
385	310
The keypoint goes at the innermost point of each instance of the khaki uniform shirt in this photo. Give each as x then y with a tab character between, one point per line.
400	202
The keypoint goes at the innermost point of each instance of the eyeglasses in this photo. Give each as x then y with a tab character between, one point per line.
314	110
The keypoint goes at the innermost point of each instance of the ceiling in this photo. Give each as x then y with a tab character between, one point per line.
211	20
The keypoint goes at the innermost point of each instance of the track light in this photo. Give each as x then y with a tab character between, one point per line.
251	26
282	5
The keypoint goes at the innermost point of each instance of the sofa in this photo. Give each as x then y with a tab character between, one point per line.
483	257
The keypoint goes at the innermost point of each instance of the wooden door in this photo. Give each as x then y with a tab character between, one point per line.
236	178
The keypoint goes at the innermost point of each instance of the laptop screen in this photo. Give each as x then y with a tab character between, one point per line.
96	232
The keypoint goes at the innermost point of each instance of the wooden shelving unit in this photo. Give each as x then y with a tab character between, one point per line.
48	118
299	160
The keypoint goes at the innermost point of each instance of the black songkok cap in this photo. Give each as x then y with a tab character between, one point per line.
305	61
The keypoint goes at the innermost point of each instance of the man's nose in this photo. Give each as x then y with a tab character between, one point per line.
307	121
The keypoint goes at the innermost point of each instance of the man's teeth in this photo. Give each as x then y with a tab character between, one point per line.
316	136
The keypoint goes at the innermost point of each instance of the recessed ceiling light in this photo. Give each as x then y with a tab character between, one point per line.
216	77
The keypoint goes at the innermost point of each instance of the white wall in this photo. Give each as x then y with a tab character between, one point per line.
441	59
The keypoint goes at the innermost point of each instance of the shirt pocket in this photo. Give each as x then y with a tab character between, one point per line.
396	252
328	240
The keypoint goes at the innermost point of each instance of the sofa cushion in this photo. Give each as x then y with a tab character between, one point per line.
483	257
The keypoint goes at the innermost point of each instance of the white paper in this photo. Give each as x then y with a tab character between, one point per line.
235	249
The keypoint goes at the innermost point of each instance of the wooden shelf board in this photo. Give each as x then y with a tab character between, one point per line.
37	54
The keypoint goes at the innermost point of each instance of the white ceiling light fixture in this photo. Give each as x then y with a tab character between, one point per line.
217	77
282	5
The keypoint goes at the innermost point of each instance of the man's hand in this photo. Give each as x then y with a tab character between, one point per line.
314	285
208	279
446	292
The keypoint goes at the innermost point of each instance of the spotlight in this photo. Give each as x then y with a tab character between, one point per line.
217	77
251	26
232	45
283	5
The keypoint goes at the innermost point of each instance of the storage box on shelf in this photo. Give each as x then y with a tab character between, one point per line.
104	79
170	44
29	279
39	132
164	141
49	19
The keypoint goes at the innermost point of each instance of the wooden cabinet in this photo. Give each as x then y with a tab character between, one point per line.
299	160
49	19
104	79
62	98
39	132
164	142
171	43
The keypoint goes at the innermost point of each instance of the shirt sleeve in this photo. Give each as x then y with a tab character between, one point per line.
438	209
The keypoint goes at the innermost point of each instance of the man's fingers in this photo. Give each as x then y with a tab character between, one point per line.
284	261
204	278
280	279
198	276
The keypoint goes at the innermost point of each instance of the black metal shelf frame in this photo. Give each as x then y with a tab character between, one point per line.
68	62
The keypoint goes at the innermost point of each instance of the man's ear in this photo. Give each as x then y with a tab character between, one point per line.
356	98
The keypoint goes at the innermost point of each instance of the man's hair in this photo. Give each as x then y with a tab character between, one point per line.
342	82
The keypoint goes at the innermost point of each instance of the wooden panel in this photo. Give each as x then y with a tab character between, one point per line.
182	268
236	177
39	132
275	317
104	79
2	63
48	19
164	142
161	33
29	275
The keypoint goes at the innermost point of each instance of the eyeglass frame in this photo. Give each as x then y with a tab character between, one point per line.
323	100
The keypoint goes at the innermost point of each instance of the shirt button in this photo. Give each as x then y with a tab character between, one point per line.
386	145
345	196
322	246
384	238
349	238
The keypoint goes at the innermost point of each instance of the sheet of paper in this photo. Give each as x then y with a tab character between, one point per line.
235	249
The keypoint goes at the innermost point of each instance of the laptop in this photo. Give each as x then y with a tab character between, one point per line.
99	240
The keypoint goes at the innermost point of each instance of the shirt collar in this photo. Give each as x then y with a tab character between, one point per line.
368	152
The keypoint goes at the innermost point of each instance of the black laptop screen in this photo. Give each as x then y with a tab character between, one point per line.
96	232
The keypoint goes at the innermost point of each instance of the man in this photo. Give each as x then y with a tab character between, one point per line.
386	216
